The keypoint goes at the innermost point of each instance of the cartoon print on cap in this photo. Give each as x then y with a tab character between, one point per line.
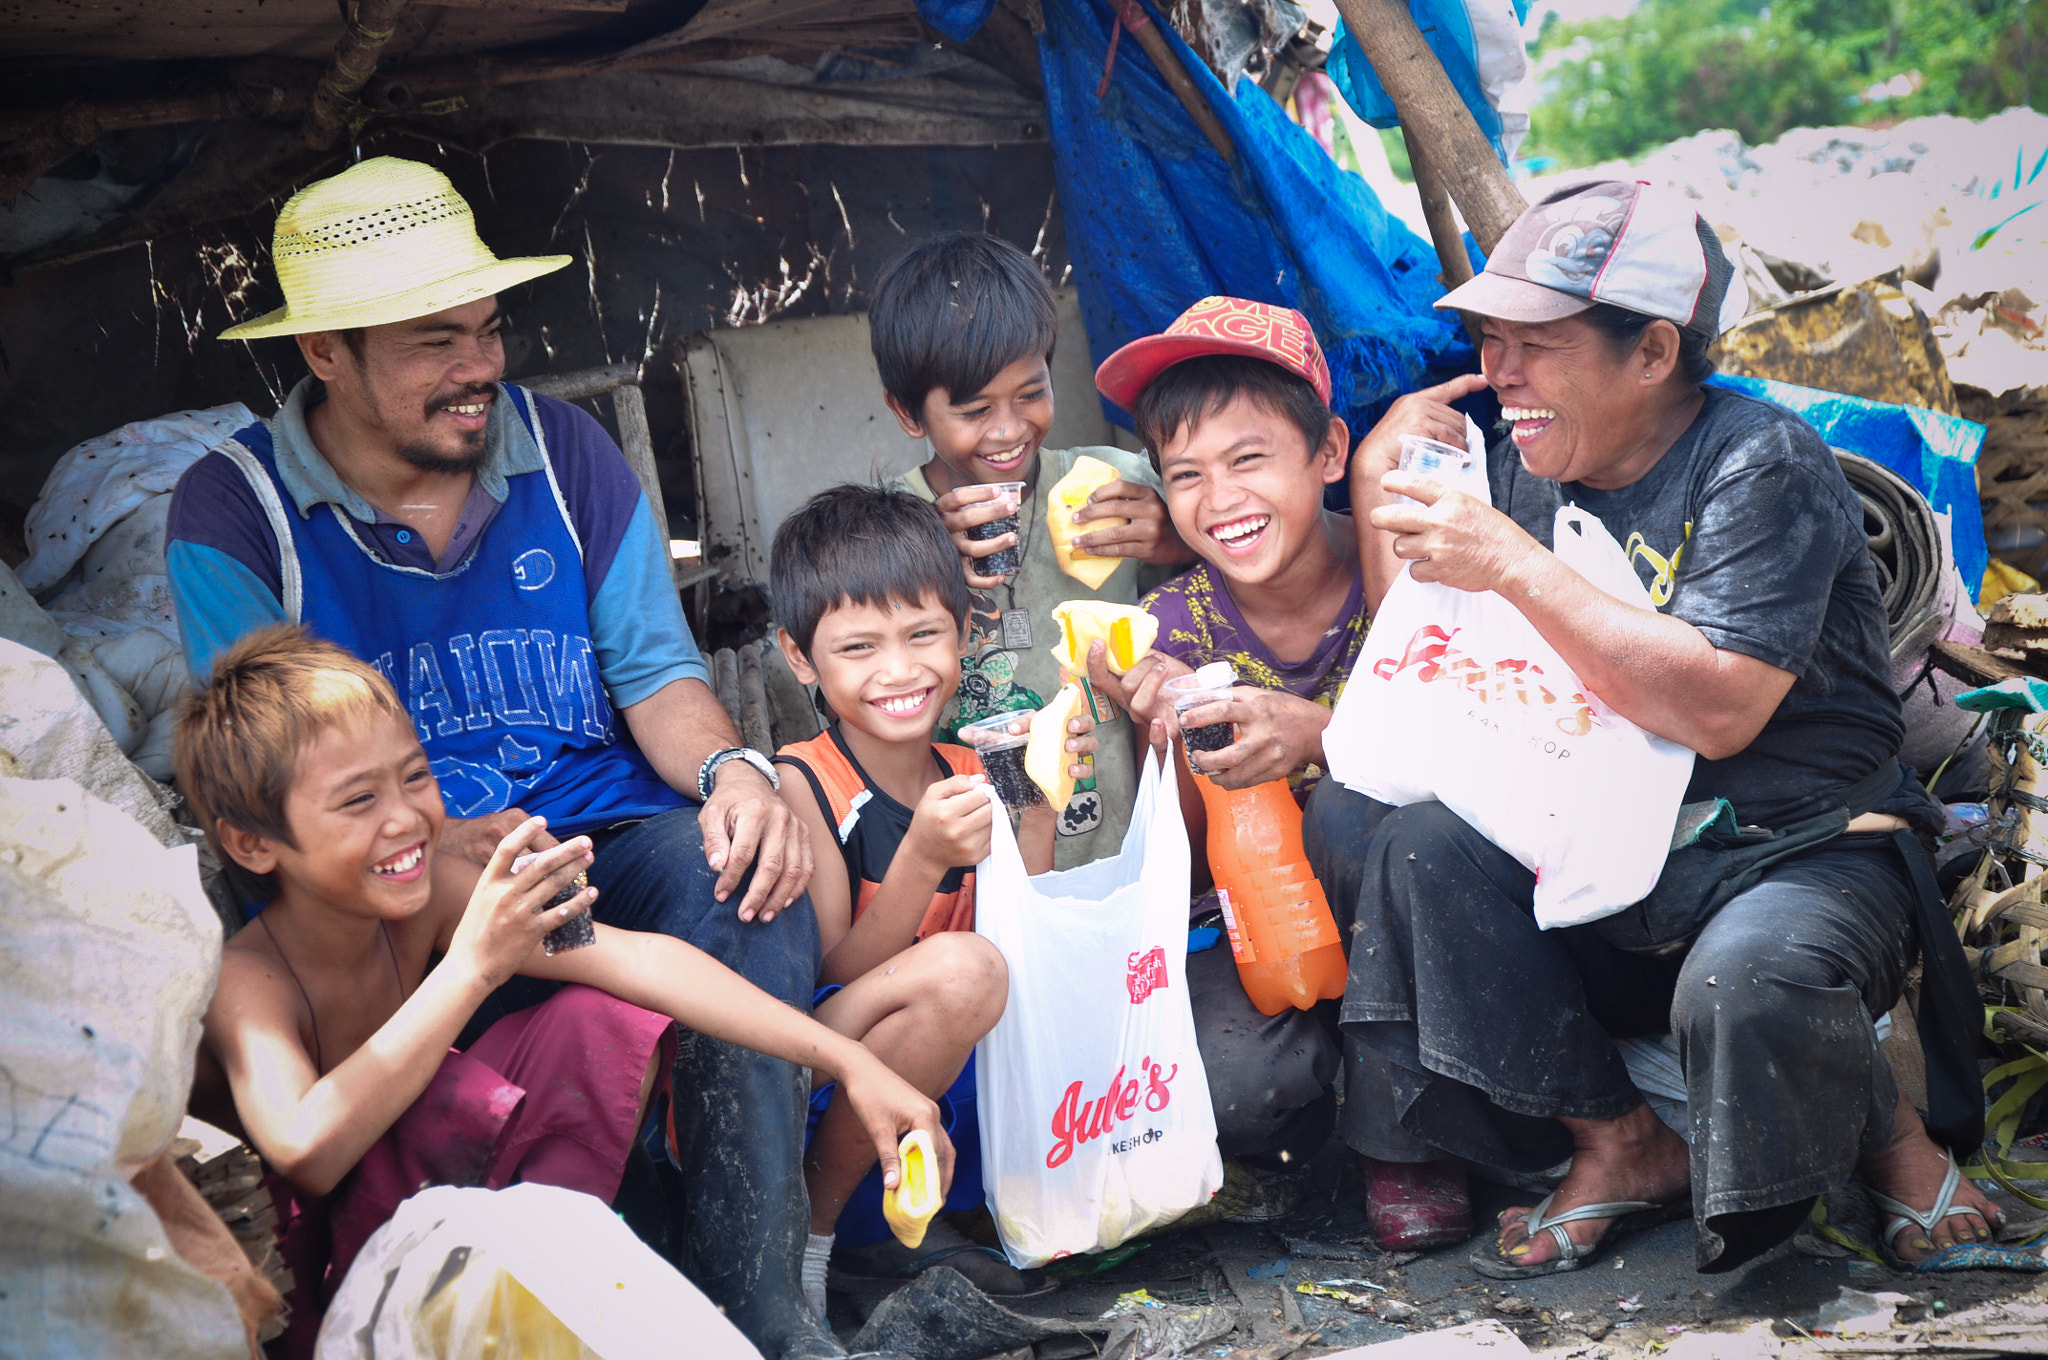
1569	254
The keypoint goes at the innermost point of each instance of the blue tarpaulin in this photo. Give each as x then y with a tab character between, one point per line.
1447	27
1155	220
957	19
1937	453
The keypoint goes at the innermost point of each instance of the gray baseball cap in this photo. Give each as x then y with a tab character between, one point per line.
1630	245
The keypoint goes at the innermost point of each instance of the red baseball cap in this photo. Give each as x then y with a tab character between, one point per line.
1217	325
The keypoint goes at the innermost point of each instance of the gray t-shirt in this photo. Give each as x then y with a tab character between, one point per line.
1747	530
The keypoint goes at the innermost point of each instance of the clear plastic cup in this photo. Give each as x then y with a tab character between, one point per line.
1002	756
1447	463
573	933
1185	692
1003	561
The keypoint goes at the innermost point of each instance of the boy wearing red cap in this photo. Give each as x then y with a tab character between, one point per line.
1233	400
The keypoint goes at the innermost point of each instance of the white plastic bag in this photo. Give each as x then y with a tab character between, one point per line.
1456	697
531	1271
1095	1117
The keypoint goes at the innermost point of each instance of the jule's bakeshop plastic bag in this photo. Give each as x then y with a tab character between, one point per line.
1095	1117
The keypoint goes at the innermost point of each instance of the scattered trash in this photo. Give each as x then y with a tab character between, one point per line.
1514	1306
1632	1304
941	1316
1272	1270
1399	1313
1347	1283
1855	1313
1596	1326
1094	1263
1125	1303
1165	1330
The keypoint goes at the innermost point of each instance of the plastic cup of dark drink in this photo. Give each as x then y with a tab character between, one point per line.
1211	683
1003	561
1002	755
573	933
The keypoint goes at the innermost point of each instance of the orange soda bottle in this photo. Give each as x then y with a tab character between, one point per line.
1281	932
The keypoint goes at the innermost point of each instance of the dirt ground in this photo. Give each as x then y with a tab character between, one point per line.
1644	1297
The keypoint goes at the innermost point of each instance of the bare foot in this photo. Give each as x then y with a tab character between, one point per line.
1910	1170
1632	1157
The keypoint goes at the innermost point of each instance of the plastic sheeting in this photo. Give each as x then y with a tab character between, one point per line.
1156	221
957	19
1479	43
1937	453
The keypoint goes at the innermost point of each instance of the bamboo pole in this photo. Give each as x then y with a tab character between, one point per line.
370	27
1432	113
1133	17
1443	223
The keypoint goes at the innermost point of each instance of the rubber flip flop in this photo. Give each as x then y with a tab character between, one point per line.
1630	1216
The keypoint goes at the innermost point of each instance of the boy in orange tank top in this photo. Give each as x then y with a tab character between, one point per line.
867	587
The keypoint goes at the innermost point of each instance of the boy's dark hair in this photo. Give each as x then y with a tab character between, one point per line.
1191	391
854	545
953	312
239	737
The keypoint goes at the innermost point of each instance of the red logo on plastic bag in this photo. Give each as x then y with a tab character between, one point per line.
1433	658
1148	973
1083	1121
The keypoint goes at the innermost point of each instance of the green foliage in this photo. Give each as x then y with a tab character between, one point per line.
1670	68
1397	154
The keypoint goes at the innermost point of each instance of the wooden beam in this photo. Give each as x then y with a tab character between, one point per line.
370	27
1432	112
1443	223
1134	18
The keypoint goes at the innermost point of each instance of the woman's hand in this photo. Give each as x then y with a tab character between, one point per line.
1277	733
888	1108
1450	537
508	913
968	507
1150	536
1428	413
1137	690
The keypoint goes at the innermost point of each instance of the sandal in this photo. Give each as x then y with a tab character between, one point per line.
1629	1215
1956	1255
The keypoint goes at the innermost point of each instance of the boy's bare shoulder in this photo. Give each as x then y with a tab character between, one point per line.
255	989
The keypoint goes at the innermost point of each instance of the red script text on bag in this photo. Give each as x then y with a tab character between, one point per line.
1083	1121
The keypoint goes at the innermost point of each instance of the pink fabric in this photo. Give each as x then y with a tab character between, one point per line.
549	1095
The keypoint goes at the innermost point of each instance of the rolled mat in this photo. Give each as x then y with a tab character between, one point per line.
1905	546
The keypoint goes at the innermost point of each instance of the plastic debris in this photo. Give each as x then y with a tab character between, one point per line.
1855	1313
1272	1270
1632	1304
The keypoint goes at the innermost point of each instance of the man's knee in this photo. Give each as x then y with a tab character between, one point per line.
1751	958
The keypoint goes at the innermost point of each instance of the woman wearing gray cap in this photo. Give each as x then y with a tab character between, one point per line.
1768	948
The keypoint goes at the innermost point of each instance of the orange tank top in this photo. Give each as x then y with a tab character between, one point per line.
870	825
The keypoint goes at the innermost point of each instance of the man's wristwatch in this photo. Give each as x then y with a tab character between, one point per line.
709	771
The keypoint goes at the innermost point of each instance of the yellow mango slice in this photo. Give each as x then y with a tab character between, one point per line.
1126	630
1068	495
910	1206
1045	754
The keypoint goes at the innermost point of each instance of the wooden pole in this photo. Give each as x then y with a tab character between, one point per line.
1133	17
1432	113
355	60
1443	223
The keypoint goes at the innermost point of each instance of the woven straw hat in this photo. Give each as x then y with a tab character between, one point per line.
385	240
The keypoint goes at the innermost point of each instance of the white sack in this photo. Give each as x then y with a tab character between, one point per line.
1095	1116
108	956
48	730
451	1264
95	485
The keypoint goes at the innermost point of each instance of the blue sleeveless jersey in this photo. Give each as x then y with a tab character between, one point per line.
493	659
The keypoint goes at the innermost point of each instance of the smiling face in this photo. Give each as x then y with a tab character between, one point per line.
1579	411
364	812
886	670
1245	490
992	435
421	388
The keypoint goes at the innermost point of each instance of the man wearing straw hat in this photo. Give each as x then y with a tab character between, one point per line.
490	551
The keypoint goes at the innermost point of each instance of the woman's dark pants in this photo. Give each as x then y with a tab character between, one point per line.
1470	1031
